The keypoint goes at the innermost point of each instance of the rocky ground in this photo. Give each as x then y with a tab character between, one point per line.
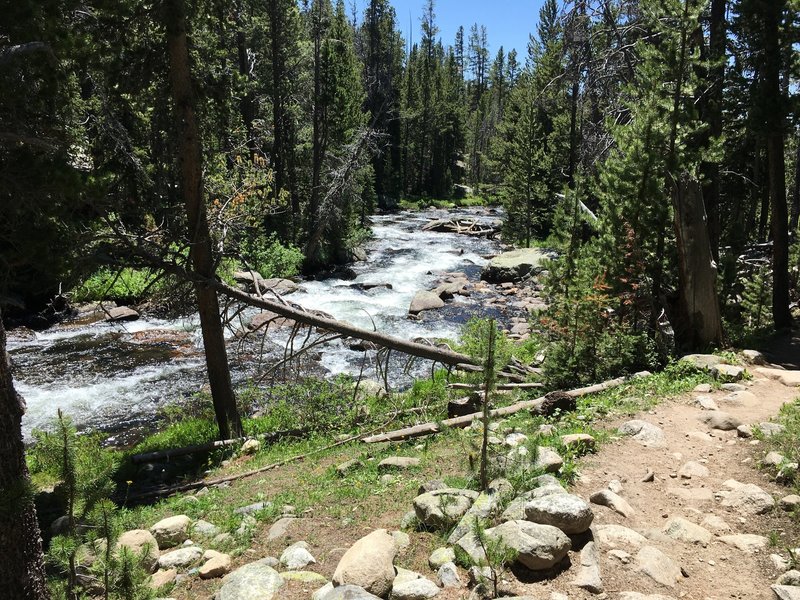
674	505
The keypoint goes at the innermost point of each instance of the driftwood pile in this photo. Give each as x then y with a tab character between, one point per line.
463	227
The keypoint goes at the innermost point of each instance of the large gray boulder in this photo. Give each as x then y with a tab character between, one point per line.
254	581
514	265
441	509
538	547
569	513
369	564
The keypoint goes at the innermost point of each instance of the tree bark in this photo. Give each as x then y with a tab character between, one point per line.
774	111
711	192
701	323
190	162
22	568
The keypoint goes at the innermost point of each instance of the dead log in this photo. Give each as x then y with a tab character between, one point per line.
215	445
499	386
466	420
436	354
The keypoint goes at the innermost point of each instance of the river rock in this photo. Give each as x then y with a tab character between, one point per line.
789	578
369	564
706	403
786	592
616	535
417	589
252	508
538	546
424	300
702	362
448	575
163	578
746	542
486	505
728	372
658	566
143	544
613	501
588	576
768	429
297	556
441	556
683	530
254	581
580	443
441	509
644	432
746	498
514	265
349	592
274	285
182	557
217	564
548	460
397	463
716	419
121	314
306	577
787	378
569	513
693	469
204	528
716	524
171	531
546	485
280	528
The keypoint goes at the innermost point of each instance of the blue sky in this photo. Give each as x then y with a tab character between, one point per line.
508	22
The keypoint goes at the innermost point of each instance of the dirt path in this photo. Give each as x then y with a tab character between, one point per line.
712	570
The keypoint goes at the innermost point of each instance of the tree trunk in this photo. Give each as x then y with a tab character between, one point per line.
711	192
701	324
22	567
774	113
190	162
795	215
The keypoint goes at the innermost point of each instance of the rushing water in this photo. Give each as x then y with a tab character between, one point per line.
105	378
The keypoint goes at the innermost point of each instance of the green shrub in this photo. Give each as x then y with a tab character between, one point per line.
270	258
125	285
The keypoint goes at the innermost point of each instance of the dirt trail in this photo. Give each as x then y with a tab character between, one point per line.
714	570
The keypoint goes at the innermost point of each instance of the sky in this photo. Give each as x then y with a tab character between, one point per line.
508	22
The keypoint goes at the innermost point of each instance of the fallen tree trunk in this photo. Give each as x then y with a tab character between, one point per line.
466	420
209	446
499	386
444	356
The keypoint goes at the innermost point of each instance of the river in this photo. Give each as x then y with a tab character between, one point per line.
105	378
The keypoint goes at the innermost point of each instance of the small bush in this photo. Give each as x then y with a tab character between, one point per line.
125	286
270	258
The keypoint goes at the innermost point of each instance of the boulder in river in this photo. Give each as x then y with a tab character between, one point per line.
122	313
424	301
514	265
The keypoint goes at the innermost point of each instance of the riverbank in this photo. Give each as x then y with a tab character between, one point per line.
660	499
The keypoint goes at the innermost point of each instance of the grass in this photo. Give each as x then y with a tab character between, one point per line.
786	442
445	203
